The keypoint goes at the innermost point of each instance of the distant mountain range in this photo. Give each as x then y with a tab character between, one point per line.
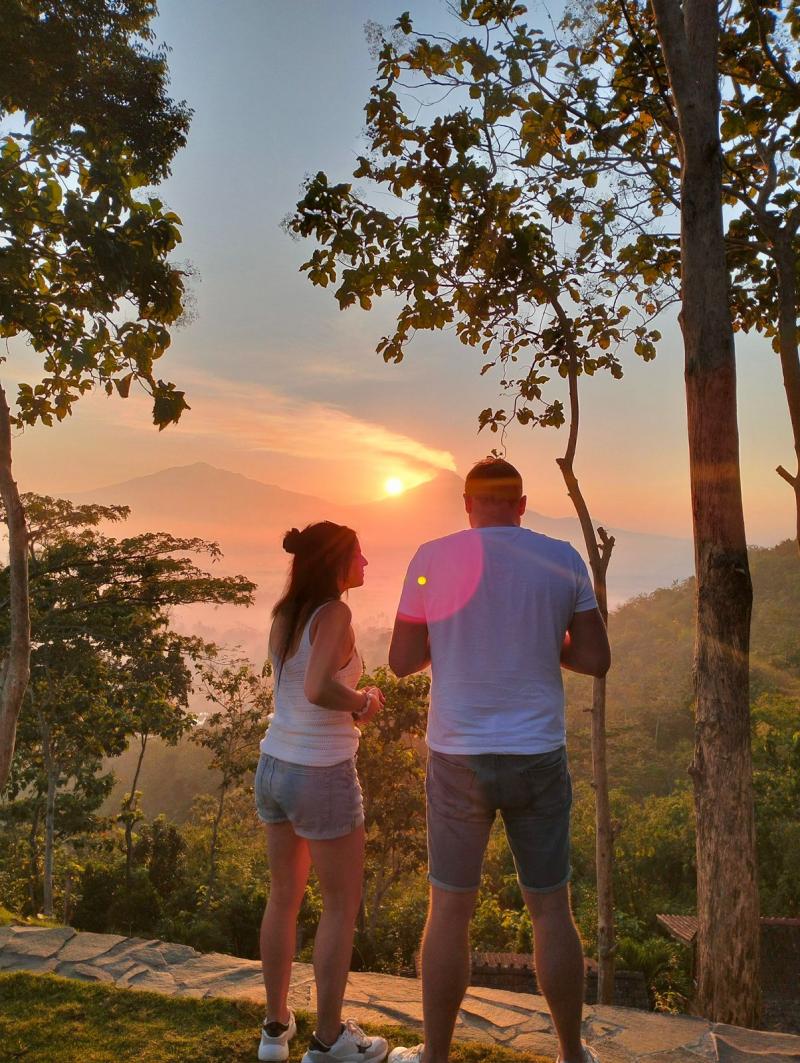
248	518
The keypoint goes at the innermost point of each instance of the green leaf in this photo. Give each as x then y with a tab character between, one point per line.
123	385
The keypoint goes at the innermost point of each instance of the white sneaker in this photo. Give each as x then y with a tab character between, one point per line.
406	1055
351	1046
589	1055
275	1038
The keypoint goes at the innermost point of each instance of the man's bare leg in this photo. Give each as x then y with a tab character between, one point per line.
559	966
445	967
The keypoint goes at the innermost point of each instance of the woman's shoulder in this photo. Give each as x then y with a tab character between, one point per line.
335	613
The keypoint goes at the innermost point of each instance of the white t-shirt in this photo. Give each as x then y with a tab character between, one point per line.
497	602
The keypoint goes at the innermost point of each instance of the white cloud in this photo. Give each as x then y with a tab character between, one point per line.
253	418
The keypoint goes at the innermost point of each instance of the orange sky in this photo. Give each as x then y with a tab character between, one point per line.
286	389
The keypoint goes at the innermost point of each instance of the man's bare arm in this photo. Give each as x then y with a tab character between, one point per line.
586	649
410	650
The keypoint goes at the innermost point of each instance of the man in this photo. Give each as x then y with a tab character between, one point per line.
496	611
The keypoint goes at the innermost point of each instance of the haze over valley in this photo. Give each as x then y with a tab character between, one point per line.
248	519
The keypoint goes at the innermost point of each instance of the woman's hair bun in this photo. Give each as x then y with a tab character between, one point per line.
291	541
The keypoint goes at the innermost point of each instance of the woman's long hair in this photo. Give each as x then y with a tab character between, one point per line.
322	553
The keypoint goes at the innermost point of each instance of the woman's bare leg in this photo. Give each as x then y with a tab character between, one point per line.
289	862
339	864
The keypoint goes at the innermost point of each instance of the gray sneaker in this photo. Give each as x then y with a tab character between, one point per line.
351	1046
406	1055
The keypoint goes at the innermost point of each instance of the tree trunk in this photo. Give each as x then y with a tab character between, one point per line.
212	874
599	557
790	360
604	849
33	860
67	905
128	812
727	890
16	666
49	839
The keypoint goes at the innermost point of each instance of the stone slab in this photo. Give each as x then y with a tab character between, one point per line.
521	1001
595	1027
466	1032
154	982
645	1033
124	948
174	953
520	1021
203	970
84	972
300	997
245	991
385	986
14	961
491	1014
536	1023
407	1014
132	972
34	941
359	996
120	967
678	1055
150	956
85	947
735	1045
611	1052
534	1041
377	1016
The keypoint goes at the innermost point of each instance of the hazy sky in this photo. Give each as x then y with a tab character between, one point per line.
288	390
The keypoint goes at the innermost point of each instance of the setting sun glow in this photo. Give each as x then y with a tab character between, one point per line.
394	486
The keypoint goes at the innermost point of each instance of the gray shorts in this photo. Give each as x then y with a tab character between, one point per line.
320	803
533	794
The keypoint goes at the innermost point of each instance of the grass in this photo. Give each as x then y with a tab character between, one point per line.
55	1020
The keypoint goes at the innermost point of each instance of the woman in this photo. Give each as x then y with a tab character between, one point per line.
307	790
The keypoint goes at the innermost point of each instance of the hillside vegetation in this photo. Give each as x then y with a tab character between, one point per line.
650	683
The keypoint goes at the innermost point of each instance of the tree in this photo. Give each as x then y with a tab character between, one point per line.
102	650
727	890
159	684
627	125
393	781
776	761
231	732
490	243
85	270
599	546
657	129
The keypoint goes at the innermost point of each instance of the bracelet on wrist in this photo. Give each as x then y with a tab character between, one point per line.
364	708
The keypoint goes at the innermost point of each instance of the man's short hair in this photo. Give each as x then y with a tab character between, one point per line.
494	479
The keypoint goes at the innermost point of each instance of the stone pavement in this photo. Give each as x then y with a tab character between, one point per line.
517	1020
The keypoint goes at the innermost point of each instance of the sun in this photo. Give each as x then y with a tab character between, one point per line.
394	486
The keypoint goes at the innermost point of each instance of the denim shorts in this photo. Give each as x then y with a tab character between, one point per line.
320	803
533	794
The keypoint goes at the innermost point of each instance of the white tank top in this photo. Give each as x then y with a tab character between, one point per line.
301	732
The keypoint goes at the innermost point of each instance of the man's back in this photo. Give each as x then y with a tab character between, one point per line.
497	602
